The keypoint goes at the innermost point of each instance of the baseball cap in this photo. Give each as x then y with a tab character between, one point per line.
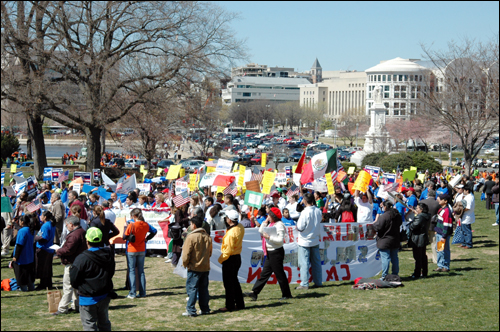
93	235
275	195
232	214
460	186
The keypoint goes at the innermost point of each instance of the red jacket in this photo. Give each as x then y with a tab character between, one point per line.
75	244
83	214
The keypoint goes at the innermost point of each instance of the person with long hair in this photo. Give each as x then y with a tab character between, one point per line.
136	250
181	221
346	206
44	240
419	239
107	228
75	210
24	255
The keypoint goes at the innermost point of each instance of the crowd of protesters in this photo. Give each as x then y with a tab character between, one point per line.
423	213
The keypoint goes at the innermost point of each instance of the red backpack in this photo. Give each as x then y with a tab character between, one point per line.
347	216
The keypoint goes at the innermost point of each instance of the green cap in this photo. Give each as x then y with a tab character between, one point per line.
94	235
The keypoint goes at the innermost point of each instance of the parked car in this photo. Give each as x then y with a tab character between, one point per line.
26	164
136	163
165	163
245	160
344	155
295	156
117	162
282	158
191	165
493	151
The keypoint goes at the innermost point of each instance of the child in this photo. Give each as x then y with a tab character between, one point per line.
287	221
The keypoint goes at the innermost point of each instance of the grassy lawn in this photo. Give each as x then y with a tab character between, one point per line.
467	298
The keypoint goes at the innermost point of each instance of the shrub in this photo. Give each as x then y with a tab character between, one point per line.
419	159
373	159
10	144
346	165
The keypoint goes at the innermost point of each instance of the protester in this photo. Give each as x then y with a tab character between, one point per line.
388	228
24	255
292	208
182	222
272	246
136	250
347	212
117	204
230	259
364	202
44	254
468	217
75	211
286	219
419	239
107	228
214	218
443	231
7	231
433	207
197	250
309	229
108	213
496	190
487	190
91	275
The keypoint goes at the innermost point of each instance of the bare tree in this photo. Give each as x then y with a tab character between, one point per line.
351	122
462	92
110	55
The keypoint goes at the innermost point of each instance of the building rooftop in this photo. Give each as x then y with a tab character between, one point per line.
270	80
396	65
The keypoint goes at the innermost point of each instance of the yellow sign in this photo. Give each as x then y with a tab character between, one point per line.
142	169
173	172
241	178
210	169
351	170
158	171
421	177
220	189
409	175
235	167
263	160
192	182
267	182
13	168
362	182
413	168
329	184
294	167
182	172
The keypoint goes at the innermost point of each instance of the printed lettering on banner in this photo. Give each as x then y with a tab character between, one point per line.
144	188
373	170
280	179
263	160
180	186
193	185
224	166
267	182
47	174
96	173
86	176
77	187
56	172
329	184
182	172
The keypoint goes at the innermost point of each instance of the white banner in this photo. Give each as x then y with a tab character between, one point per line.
152	218
224	166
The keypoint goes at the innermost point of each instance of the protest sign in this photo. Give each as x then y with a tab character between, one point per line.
3	179
10	191
180	186
173	172
193	184
207	180
235	167
267	182
351	170
31	186
127	185
280	179
253	186
108	182
56	173
409	175
77	187
362	182
224	166
413	168
263	160
253	199
182	172
241	178
421	177
97	174
348	251
151	217
144	188
373	170
13	168
210	169
329	184
6	206
47	174
341	176
86	176
159	170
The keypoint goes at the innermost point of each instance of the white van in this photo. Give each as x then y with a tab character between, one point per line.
261	135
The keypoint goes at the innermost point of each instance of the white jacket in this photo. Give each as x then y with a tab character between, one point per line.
275	241
292	208
309	227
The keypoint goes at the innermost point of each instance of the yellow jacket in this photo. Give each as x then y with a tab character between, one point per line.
232	242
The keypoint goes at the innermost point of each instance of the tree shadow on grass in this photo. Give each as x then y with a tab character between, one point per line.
162	294
21	295
312	294
174	287
486	242
468	269
464	259
122	306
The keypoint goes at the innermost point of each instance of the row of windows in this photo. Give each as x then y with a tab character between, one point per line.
266	87
355	85
395	78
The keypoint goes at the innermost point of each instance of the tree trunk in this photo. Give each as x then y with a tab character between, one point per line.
103	140
35	126
93	135
29	150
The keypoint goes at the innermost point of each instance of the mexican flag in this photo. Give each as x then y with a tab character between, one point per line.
320	164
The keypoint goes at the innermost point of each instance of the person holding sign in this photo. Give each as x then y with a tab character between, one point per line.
230	258
364	202
272	246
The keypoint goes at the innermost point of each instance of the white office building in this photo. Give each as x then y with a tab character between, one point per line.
402	82
251	88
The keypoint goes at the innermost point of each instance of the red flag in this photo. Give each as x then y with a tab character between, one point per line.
301	163
164	229
223	180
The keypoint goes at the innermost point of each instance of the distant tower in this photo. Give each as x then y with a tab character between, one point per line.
316	72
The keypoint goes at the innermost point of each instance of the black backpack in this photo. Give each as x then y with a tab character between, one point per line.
174	232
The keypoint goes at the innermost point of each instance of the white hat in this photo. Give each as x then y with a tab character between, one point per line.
460	186
232	214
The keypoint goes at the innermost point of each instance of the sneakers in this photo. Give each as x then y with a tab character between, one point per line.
57	313
204	312
168	260
5	253
187	314
302	287
187	298
130	297
495	224
286	298
251	295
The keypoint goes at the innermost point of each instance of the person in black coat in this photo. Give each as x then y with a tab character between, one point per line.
487	190
419	239
107	228
388	227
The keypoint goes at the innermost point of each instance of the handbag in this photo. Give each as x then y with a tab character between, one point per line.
131	237
458	237
53	298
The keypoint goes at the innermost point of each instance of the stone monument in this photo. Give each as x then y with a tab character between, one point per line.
377	139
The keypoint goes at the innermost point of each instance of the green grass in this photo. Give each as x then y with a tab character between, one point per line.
467	298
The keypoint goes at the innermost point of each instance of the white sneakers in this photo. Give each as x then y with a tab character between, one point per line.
168	260
495	224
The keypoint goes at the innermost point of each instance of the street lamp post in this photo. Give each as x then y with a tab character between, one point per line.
316	131
335	135
300	125
357	127
286	124
273	127
451	144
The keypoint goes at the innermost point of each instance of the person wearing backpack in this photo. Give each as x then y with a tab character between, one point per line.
347	212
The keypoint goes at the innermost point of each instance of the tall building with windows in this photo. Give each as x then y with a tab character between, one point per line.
339	93
402	82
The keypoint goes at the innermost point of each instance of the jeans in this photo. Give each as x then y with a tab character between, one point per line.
467	232
310	255
136	259
444	257
197	286
389	256
497	211
95	317
68	292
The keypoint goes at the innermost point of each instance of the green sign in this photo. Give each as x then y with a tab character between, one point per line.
254	199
